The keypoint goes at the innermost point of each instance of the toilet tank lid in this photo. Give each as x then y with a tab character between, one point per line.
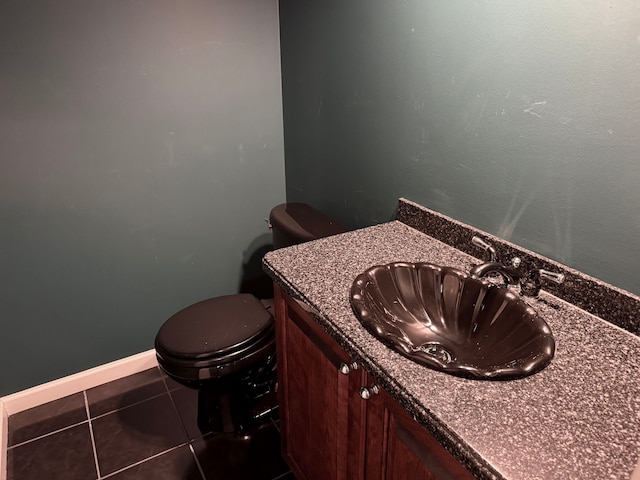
303	222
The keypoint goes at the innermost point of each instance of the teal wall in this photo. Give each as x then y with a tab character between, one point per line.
140	150
520	118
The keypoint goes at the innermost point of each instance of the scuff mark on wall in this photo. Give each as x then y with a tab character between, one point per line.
531	108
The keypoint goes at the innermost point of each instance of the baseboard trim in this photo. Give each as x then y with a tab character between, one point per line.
32	397
47	392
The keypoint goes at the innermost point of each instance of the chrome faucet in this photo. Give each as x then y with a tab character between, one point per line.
528	280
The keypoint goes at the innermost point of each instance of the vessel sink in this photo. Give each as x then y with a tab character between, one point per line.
447	320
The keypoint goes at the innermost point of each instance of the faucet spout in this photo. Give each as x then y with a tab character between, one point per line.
529	280
510	275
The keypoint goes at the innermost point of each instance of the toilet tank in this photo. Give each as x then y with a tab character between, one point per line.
294	223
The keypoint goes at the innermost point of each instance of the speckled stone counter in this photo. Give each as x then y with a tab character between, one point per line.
578	418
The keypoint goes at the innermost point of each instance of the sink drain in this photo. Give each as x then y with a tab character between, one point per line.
436	351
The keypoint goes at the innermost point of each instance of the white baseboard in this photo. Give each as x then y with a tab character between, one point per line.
47	392
32	397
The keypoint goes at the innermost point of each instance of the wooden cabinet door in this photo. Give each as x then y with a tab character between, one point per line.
317	439
398	447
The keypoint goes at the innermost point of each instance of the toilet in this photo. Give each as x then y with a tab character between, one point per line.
225	346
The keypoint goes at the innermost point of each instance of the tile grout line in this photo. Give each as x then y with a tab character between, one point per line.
195	457
175	409
53	432
275	424
44	435
111	474
184	427
110	412
282	475
93	441
89	419
140	462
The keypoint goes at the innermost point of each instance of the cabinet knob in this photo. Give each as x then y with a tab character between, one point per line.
367	392
345	368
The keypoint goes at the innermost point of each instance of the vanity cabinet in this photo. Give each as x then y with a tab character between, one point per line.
328	430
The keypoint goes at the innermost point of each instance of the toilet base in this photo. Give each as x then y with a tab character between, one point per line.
238	402
228	412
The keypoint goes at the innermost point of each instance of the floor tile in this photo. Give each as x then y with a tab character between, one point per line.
186	402
229	456
141	431
177	464
125	391
46	418
129	435
65	455
171	383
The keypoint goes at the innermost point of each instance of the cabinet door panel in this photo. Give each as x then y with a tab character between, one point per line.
400	448
313	395
311	407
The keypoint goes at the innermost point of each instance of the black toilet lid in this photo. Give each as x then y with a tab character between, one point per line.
214	327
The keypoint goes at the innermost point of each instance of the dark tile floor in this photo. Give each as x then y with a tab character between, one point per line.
138	427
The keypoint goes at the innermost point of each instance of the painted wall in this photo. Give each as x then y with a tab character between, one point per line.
140	150
520	118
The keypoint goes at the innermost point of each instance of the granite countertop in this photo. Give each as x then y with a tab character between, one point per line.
578	418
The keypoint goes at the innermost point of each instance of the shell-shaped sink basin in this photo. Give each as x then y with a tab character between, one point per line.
449	321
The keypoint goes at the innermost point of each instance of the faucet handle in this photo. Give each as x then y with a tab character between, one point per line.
530	284
478	242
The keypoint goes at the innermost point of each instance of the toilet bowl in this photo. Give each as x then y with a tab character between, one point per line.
225	346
